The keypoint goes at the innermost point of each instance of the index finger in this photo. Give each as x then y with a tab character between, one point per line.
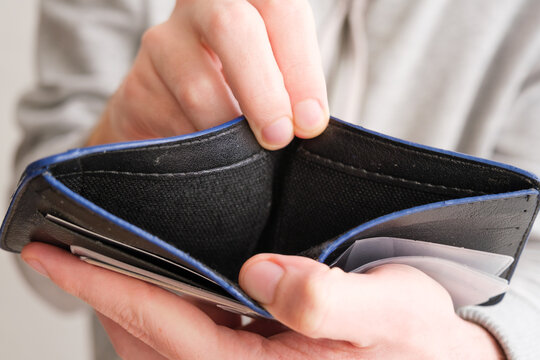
252	52
291	30
170	325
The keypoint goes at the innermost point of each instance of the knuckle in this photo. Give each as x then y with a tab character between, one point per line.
315	295
152	37
228	18
193	94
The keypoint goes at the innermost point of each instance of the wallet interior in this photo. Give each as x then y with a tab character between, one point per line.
221	198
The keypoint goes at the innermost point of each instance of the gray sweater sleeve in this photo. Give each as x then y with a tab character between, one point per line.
84	49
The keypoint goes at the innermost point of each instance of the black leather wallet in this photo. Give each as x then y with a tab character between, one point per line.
193	208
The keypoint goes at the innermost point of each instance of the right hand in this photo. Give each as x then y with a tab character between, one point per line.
214	60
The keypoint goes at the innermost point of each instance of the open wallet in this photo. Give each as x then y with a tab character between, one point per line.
186	212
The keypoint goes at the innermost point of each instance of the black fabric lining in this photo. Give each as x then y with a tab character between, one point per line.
440	156
221	198
347	145
320	202
383	177
216	217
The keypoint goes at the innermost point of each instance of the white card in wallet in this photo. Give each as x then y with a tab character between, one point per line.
470	276
172	285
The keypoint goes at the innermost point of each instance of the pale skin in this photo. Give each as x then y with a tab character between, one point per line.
210	62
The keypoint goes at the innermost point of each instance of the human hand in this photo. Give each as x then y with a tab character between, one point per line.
393	312
214	60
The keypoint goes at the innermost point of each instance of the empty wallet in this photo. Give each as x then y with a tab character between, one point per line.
186	212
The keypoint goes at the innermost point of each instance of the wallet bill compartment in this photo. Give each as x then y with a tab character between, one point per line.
57	199
215	215
232	199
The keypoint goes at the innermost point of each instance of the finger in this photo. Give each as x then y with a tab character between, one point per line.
142	108
235	31
191	75
173	327
293	37
126	345
323	302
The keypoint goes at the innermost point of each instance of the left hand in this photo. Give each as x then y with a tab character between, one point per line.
394	311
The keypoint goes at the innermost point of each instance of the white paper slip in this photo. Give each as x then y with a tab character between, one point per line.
172	285
367	250
465	285
470	276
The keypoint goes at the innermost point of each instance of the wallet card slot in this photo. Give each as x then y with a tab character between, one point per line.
179	287
136	257
126	247
493	223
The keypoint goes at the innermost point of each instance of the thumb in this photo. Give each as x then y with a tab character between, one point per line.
309	297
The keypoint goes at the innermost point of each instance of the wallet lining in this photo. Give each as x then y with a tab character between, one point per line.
214	216
289	202
314	209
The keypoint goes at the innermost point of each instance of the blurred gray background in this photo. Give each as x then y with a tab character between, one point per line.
29	327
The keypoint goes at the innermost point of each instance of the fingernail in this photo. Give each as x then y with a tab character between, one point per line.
278	133
261	279
309	115
36	265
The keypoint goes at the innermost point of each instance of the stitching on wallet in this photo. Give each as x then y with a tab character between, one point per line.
440	156
389	177
176	145
241	163
525	233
